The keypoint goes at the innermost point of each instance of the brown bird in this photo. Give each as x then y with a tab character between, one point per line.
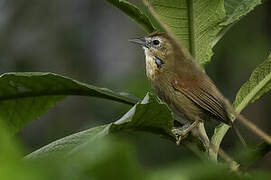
179	82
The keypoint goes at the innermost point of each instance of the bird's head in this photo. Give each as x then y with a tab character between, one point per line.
158	49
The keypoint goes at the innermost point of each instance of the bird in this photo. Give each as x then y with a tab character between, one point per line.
179	81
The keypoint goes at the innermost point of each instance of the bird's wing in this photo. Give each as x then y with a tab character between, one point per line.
203	93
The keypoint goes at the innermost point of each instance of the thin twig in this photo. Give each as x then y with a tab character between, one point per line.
233	164
254	128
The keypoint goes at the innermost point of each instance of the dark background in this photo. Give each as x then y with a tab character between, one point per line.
87	40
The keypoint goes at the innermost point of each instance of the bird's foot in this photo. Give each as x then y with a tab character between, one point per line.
180	132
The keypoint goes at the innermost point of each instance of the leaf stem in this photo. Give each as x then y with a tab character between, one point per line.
191	28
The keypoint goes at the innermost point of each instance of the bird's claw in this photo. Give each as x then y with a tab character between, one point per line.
178	134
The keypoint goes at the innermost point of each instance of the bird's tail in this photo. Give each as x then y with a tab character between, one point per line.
245	122
254	128
238	134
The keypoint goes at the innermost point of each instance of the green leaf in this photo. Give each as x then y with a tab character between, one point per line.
258	84
26	96
110	155
103	159
236	9
195	23
11	166
195	170
9	149
149	115
134	13
247	157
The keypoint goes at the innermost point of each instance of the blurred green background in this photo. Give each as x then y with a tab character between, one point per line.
87	40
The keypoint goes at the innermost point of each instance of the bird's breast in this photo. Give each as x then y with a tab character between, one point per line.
150	68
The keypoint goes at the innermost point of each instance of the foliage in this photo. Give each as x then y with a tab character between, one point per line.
257	85
26	96
134	13
195	23
142	117
96	153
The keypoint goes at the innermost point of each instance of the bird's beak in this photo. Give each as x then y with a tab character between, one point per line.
140	41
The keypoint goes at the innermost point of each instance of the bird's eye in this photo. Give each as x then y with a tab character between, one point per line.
158	62
156	42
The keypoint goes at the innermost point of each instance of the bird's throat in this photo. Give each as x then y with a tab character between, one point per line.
151	67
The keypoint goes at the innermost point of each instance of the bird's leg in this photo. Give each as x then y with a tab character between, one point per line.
201	134
182	131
